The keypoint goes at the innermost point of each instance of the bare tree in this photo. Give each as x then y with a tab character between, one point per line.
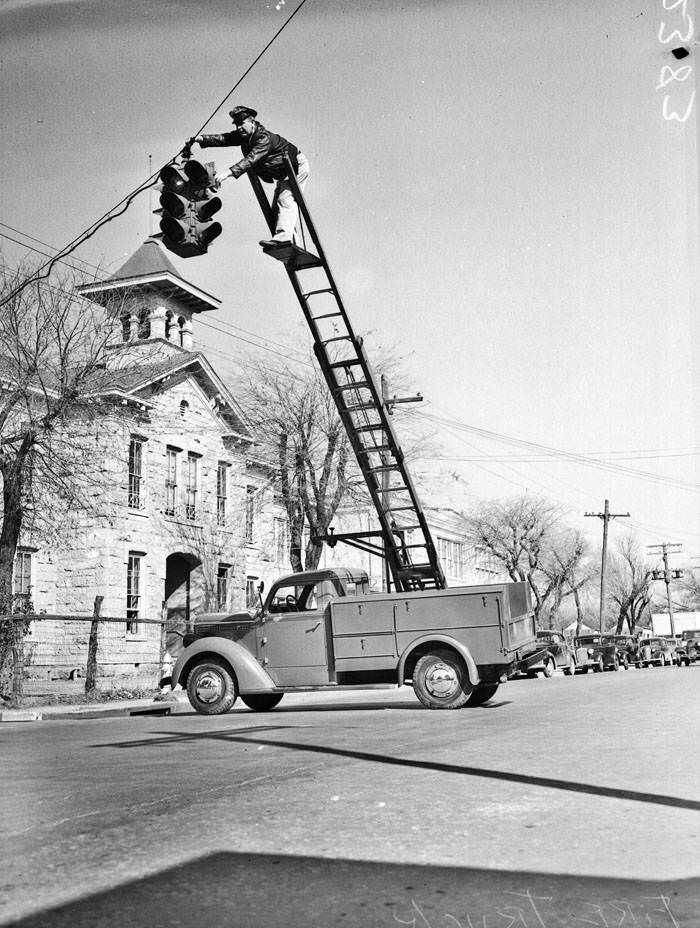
51	352
524	534
630	583
567	570
302	434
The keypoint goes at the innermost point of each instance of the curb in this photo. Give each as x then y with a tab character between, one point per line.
91	711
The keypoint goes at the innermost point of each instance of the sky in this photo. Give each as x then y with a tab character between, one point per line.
506	191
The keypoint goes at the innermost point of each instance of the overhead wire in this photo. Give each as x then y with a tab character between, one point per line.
122	206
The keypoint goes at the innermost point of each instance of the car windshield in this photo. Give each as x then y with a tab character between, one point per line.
590	639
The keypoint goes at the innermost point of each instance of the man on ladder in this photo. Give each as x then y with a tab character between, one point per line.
263	155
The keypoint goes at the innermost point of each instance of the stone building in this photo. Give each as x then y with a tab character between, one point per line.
182	516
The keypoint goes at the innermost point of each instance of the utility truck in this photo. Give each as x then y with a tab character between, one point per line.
325	629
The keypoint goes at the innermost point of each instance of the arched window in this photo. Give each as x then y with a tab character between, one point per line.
126	326
170	326
181	327
144	322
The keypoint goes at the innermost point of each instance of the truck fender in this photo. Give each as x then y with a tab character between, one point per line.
461	649
250	676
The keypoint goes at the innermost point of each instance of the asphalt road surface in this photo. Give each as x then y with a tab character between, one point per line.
562	802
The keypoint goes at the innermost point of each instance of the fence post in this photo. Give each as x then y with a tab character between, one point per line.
91	669
17	661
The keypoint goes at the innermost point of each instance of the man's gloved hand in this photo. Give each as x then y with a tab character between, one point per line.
221	176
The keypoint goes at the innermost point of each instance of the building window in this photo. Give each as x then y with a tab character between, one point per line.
251	593
171	482
22	580
191	486
451	553
221	492
136	473
133	592
144	323
250	514
279	539
223	577
184	407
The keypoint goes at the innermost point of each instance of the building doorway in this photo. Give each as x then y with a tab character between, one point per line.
183	573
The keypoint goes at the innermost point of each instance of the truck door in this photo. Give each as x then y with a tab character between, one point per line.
293	643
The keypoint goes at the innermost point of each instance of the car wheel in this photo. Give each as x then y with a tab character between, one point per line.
262	702
625	662
481	694
549	668
211	688
571	669
440	681
615	663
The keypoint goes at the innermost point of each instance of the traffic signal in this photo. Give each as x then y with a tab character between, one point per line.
187	206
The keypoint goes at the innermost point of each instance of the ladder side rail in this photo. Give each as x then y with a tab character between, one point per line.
395	549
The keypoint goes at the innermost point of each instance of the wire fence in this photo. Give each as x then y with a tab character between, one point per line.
52	647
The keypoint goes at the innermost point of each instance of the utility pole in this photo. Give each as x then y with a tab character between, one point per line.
606	516
389	403
666	575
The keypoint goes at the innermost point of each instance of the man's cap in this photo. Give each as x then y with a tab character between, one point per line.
239	114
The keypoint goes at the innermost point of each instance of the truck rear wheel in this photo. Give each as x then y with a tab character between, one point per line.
262	702
440	681
481	694
211	688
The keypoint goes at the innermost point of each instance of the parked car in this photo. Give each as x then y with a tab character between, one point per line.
691	643
629	645
598	653
656	652
559	655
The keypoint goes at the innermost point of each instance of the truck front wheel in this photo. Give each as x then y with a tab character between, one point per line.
211	688
440	681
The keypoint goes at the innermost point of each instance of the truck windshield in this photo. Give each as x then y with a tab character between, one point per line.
308	597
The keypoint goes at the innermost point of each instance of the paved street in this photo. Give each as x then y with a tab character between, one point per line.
563	802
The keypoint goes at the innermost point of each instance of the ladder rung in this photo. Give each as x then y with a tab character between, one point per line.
370	428
338	338
314	292
382	467
350	361
374	449
394	490
406	528
359	406
411	547
325	316
399	508
359	385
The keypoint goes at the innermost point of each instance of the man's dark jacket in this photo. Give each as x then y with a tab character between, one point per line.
263	152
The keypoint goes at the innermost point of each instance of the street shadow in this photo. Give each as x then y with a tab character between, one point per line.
236	890
238	736
410	704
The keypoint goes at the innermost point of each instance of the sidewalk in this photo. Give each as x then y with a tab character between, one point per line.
91	710
175	703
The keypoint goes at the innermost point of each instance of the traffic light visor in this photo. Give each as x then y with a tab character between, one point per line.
207	208
198	175
207	236
173	204
172	229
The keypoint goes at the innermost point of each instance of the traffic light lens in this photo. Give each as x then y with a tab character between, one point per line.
172	179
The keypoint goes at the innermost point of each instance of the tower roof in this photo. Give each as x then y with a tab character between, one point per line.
149	268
